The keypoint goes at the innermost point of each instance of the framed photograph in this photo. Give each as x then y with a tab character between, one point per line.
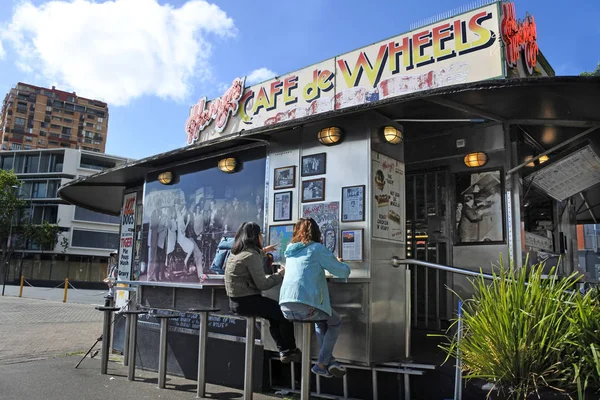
313	190
282	236
352	245
353	203
285	178
314	164
282	206
479	212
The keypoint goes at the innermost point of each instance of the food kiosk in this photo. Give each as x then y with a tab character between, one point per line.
424	146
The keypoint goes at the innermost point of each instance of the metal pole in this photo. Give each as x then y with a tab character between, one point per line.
202	339
249	357
132	346
126	341
458	372
162	353
305	380
105	341
66	290
408	319
374	380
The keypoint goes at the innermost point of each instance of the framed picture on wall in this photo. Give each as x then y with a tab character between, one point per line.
353	203
313	190
280	235
479	208
285	178
282	206
352	245
314	164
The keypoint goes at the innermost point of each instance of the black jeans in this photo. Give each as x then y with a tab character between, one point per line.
282	330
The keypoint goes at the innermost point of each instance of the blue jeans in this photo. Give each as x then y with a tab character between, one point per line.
327	332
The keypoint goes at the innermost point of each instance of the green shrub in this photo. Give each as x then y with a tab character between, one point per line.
517	330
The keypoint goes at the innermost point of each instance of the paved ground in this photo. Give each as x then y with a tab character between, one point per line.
41	341
57	379
73	295
33	329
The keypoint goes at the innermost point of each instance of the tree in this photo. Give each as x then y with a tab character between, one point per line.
596	72
46	236
11	215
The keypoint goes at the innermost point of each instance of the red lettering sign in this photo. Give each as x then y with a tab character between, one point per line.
128	210
517	36
219	110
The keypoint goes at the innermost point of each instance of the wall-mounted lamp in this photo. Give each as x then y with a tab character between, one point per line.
392	135
227	165
330	136
166	178
474	160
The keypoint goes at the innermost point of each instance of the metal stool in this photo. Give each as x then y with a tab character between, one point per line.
307	328
250	321
162	351
202	338
130	344
106	336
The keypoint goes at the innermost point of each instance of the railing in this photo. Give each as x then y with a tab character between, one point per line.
397	262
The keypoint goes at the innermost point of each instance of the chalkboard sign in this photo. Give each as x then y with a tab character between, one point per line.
190	324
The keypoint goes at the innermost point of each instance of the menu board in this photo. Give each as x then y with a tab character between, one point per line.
388	198
190	324
569	176
327	216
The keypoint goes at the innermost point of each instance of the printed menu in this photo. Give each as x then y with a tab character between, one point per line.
388	198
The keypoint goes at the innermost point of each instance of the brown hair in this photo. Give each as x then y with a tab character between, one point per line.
306	230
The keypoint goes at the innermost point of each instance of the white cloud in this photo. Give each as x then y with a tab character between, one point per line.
259	75
118	50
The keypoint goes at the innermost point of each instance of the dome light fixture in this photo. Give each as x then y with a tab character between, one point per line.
393	135
330	136
227	165
474	160
166	178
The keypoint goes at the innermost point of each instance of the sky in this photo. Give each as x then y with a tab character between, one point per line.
150	60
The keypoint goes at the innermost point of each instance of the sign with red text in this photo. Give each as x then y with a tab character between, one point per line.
127	238
461	49
519	37
215	112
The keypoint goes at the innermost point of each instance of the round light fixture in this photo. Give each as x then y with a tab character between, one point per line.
392	135
543	159
474	160
166	178
227	165
539	161
330	136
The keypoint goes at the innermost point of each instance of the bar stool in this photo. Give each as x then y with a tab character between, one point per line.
162	351
106	336
202	338
129	357
307	328
249	355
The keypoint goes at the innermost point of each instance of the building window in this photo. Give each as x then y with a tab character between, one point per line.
15	146
55	126
42	214
41	141
98	127
90	167
91	117
6	162
82	214
31	163
66	131
20	121
39	190
28	138
94	239
67	120
55	118
27	147
100	119
52	142
42	133
48	108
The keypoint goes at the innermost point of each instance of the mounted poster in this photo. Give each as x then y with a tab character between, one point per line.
327	215
388	198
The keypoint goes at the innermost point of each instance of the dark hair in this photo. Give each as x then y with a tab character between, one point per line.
306	230
247	237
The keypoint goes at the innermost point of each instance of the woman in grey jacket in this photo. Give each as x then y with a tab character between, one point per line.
245	279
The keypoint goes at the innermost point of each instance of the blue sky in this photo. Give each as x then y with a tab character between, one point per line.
151	60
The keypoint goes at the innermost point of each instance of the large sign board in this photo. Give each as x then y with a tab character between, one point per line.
126	244
388	182
464	48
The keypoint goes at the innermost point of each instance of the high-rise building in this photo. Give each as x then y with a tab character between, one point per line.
38	118
91	236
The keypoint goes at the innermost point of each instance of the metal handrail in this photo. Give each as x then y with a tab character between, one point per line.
396	262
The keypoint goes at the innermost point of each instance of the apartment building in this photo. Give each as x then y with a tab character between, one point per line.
91	236
39	118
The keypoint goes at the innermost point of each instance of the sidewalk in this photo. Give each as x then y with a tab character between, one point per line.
82	296
57	379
